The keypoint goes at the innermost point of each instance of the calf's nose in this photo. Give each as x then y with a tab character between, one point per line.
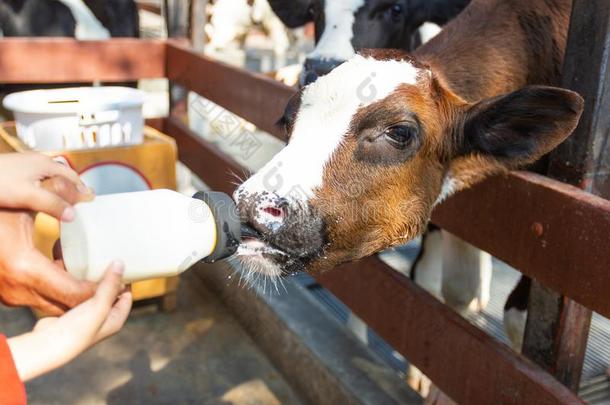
316	67
286	224
266	212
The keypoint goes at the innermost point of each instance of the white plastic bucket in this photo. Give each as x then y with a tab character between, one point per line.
78	118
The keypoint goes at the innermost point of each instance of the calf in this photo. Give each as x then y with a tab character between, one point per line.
378	142
344	26
83	19
452	270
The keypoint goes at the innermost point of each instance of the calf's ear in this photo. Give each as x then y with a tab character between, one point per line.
518	128
293	13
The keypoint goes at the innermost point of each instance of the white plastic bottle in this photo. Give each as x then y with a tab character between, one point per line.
156	233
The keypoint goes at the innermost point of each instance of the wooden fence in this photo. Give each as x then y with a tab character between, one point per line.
554	232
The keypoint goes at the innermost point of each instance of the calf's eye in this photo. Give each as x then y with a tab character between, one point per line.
393	144
399	136
396	11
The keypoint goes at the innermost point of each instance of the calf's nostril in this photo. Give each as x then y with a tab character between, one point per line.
274	211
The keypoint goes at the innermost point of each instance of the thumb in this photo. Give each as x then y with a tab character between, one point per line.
53	282
110	286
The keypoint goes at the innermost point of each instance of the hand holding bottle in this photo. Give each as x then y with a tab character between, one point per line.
56	341
22	178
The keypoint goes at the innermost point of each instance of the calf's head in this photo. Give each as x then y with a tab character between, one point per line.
373	146
343	27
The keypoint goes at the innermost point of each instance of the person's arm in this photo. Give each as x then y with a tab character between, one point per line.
56	341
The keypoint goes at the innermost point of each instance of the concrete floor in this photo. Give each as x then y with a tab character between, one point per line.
198	354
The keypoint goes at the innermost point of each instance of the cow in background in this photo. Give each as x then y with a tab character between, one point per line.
343	27
81	19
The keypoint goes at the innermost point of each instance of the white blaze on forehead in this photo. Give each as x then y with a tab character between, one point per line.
336	39
326	110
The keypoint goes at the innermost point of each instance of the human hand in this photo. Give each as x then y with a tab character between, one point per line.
21	185
27	277
56	341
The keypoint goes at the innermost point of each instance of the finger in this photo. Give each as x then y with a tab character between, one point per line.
111	285
63	188
35	301
117	317
57	168
70	191
54	283
41	200
67	190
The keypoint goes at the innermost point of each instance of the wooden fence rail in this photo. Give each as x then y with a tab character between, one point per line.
57	60
553	233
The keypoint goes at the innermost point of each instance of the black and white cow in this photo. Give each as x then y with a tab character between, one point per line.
35	18
343	27
82	19
515	312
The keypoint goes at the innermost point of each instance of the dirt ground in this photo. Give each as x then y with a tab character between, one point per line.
196	355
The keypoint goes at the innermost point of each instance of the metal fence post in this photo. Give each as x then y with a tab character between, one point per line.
177	19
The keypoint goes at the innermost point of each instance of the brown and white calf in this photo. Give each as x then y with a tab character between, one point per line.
377	143
448	268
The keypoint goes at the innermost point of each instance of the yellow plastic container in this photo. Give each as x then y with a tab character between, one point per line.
149	165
